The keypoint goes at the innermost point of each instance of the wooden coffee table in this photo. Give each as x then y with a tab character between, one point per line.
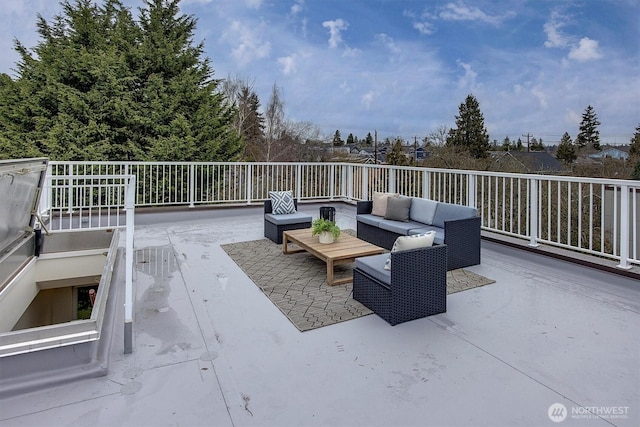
344	250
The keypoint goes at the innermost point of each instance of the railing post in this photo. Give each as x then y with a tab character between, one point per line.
332	181
249	179
471	190
392	180
44	204
533	212
192	187
625	220
364	195
299	181
426	184
71	189
349	182
130	201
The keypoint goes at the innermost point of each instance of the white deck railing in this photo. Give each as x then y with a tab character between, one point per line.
588	215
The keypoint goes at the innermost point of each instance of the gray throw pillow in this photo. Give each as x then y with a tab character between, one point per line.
398	208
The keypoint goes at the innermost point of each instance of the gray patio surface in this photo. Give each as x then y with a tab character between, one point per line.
212	350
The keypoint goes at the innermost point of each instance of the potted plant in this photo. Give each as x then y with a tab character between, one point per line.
327	231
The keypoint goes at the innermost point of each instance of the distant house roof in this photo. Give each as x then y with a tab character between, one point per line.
611	152
528	161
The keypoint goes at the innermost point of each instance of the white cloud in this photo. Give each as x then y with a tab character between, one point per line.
350	52
541	96
288	64
254	4
461	12
335	28
424	27
250	46
468	81
586	50
572	118
555	38
367	99
389	43
421	23
297	7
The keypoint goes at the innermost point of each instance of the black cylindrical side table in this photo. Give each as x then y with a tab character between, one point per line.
328	212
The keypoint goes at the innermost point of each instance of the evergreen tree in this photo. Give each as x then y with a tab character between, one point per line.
75	97
635	174
192	119
101	86
536	145
337	140
350	139
368	141
396	156
589	134
566	151
252	128
634	147
470	133
506	144
14	118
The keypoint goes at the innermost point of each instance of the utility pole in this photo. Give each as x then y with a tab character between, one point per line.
375	147
415	150
527	135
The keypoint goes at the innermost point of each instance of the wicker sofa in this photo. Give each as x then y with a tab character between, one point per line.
415	287
456	226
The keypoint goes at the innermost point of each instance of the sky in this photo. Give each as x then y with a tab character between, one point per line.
403	67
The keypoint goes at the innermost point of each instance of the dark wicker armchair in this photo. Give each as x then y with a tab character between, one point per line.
274	225
415	287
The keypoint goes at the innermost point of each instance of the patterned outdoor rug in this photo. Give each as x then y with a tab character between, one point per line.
296	283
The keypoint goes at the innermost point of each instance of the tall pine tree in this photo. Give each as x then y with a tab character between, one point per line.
470	133
589	134
337	139
566	151
101	86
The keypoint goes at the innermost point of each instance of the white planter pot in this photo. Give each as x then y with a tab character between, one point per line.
325	237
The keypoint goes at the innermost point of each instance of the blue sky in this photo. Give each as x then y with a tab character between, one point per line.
403	67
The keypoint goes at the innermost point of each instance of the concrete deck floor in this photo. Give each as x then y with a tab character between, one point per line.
211	349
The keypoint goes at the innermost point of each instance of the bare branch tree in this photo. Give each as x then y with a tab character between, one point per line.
274	122
438	137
